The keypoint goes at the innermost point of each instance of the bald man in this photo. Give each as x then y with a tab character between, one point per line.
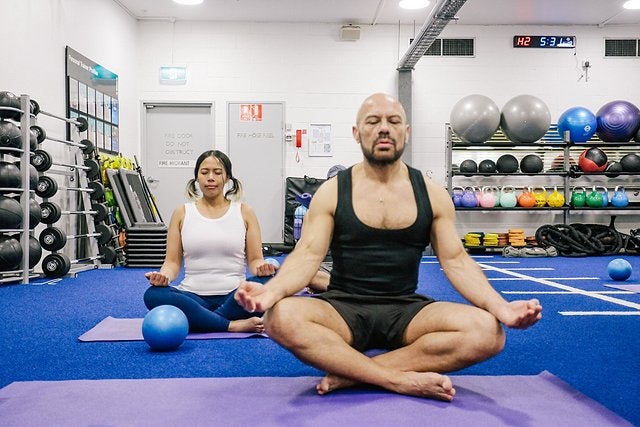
377	218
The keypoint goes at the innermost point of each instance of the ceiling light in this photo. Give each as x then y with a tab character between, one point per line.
188	2
632	4
412	4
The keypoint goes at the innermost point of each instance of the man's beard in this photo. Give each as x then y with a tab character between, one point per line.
375	160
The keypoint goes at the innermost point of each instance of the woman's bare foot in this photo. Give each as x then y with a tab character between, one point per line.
422	384
252	324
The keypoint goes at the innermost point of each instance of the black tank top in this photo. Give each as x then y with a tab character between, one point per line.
374	261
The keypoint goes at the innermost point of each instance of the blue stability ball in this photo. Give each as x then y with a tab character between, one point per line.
165	328
580	122
619	269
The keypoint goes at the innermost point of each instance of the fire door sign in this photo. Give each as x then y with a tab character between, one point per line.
250	112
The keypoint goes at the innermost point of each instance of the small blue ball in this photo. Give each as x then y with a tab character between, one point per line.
165	328
619	269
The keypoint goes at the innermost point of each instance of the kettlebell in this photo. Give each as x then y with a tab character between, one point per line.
605	196
487	199
540	195
456	196
508	197
469	199
594	199
578	199
526	199
496	194
619	198
555	199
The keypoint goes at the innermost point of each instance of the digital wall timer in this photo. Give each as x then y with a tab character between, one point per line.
558	42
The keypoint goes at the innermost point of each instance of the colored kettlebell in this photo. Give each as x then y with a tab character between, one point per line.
619	198
508	197
469	199
487	199
526	199
540	195
578	199
605	196
594	199
555	199
496	194
456	196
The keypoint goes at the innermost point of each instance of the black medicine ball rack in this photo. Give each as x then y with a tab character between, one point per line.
17	143
559	158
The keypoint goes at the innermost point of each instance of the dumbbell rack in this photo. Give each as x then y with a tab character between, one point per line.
79	179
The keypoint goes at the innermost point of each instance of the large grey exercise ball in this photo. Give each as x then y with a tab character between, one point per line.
475	118
525	118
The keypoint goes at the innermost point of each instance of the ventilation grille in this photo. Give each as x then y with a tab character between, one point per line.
451	47
620	47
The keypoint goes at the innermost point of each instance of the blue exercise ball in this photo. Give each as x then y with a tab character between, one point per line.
580	122
165	328
619	269
525	118
475	118
618	121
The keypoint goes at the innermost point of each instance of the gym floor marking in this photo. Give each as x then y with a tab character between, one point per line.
574	290
565	292
498	279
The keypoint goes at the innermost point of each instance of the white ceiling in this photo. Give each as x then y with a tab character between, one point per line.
370	12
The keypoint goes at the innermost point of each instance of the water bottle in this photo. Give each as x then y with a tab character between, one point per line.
298	217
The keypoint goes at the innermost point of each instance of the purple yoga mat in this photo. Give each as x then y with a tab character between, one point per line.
114	329
630	288
542	400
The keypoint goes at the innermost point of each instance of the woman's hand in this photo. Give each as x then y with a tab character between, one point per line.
157	279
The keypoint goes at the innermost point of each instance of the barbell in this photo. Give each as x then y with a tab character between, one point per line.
42	161
53	238
51	212
48	186
85	145
57	265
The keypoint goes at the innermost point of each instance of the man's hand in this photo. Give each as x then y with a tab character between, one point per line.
254	296
520	314
157	279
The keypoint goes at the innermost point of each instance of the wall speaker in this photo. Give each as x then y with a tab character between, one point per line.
350	33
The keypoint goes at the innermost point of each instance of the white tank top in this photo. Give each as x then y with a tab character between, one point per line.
214	251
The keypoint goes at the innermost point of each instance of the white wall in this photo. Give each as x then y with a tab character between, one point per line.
320	78
323	80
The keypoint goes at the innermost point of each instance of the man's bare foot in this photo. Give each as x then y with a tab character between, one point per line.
252	324
426	384
421	384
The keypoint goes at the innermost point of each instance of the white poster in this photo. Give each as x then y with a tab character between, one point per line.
320	140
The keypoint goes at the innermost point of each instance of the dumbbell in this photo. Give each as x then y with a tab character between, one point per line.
42	161
85	145
51	212
53	238
48	186
57	265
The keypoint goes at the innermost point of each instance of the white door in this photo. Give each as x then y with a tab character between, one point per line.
255	135
174	135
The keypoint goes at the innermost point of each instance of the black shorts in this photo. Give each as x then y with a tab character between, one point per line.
376	321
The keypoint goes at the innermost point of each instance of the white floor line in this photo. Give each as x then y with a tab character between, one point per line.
532	269
498	279
600	313
566	292
565	287
484	262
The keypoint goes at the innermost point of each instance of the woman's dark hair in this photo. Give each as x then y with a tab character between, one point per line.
234	192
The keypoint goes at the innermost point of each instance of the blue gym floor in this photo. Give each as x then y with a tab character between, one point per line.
589	335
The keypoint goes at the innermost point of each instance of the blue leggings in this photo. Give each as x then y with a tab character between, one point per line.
205	313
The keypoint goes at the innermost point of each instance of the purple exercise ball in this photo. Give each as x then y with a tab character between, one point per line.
618	121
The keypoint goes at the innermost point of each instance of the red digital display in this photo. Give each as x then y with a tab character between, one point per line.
561	42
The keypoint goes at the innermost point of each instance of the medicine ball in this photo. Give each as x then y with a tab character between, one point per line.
630	162
10	253
35	213
612	169
8	99
9	176
35	251
531	164
33	176
10	135
10	213
507	163
593	160
468	166
487	166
